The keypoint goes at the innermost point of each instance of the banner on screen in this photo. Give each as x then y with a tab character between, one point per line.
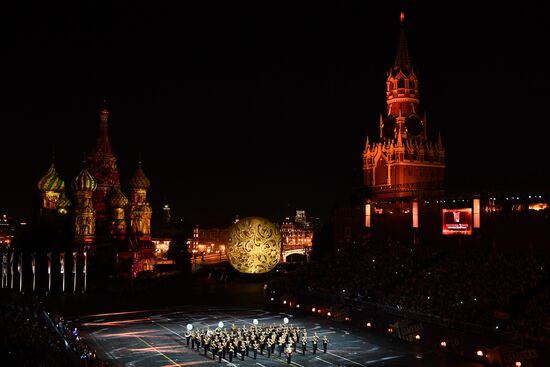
457	221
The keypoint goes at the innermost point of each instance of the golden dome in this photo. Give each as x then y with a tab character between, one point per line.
84	181
51	181
139	180
117	199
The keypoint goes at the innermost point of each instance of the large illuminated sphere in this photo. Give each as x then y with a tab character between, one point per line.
254	245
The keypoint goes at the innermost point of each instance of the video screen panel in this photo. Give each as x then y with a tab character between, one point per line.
457	221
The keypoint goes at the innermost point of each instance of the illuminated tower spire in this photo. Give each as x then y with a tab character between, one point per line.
405	163
402	60
103	145
402	96
102	165
140	210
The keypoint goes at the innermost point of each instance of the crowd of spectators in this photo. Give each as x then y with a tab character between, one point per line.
25	339
534	318
77	344
29	336
479	285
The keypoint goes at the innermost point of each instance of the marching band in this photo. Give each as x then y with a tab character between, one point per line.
222	343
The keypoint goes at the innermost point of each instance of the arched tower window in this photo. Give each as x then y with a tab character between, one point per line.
401	83
411	84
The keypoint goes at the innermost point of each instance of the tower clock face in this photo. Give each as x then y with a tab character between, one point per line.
388	128
414	126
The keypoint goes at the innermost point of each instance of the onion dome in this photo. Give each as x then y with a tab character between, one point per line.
84	181
139	180
51	181
63	202
117	199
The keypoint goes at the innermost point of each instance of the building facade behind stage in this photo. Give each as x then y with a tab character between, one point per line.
404	162
101	211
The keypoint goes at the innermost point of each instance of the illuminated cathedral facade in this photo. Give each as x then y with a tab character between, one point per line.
403	163
101	211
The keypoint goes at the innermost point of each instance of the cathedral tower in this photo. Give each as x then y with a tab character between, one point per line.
403	163
118	203
51	187
140	210
84	186
102	165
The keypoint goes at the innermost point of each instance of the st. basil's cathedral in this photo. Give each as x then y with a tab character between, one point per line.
101	211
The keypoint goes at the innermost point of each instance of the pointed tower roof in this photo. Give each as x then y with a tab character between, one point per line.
402	59
51	181
117	199
139	180
103	145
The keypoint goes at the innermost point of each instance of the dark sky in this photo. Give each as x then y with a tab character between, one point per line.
263	107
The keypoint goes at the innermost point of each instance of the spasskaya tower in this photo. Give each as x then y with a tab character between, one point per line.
403	162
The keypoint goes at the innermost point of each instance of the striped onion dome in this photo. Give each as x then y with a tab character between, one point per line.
139	180
63	202
84	181
51	181
117	199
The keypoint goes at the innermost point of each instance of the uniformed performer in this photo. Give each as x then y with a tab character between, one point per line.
314	340
268	348
256	347
325	343
273	342
304	345
243	351
288	353
214	350
231	351
281	345
187	337
262	344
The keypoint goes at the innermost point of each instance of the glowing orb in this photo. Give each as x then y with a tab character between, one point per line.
254	245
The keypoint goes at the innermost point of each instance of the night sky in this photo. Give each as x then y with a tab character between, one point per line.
261	108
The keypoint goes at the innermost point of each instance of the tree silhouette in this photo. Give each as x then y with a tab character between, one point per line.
178	251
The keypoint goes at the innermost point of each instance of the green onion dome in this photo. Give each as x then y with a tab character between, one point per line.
116	199
51	181
84	181
63	202
139	180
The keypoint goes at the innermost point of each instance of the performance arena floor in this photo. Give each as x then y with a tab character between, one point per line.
156	338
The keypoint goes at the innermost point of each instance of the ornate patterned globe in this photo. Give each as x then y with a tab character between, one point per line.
254	245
